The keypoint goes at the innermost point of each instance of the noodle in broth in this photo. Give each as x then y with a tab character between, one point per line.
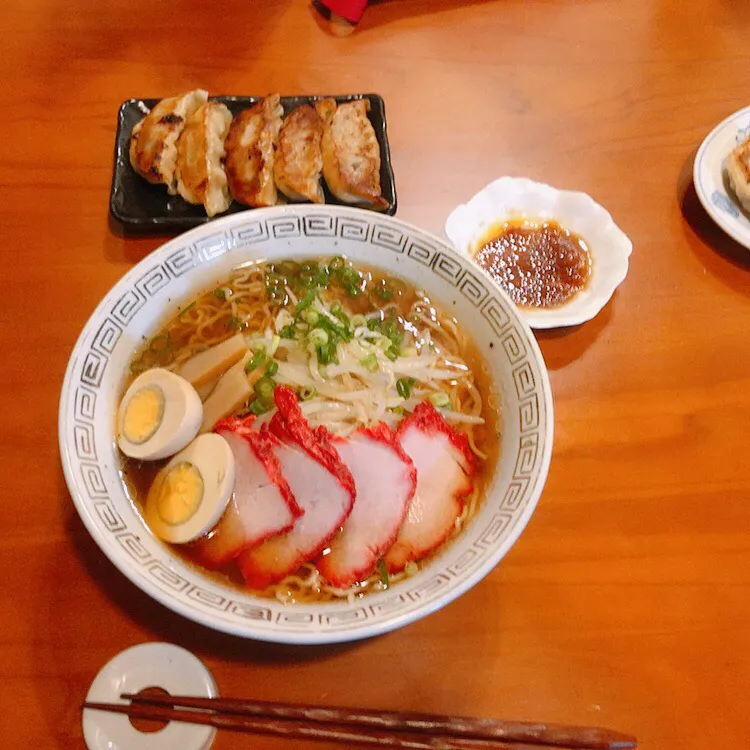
436	359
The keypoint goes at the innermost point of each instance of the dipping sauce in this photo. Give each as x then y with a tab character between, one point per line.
538	264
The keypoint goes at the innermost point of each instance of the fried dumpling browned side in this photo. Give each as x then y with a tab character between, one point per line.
153	142
738	171
200	152
299	159
250	148
351	154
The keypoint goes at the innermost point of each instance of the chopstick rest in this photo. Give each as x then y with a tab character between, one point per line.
161	665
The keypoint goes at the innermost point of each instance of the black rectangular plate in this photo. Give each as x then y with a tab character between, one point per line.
140	207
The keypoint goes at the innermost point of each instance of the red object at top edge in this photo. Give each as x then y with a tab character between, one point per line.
351	10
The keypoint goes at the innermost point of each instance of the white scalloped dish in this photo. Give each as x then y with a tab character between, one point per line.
510	199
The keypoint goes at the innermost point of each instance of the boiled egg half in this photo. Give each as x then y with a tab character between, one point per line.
159	415
190	494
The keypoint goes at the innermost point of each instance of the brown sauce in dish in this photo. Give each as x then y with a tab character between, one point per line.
538	264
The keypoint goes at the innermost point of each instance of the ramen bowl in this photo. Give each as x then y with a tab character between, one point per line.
186	266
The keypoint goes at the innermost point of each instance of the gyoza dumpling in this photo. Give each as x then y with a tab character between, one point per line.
299	160
200	173
153	142
250	149
351	154
738	170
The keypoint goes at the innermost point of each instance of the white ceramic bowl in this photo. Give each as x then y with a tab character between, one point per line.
185	266
711	182
511	198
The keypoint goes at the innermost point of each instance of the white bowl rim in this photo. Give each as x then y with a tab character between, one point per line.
313	637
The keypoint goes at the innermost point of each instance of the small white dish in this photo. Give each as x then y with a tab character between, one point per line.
510	198
709	176
161	665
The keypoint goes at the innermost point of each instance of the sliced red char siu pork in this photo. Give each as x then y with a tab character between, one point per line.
443	459
262	504
321	484
385	479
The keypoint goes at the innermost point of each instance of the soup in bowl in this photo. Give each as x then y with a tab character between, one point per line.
305	424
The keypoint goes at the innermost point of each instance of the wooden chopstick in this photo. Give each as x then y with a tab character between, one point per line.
309	731
387	728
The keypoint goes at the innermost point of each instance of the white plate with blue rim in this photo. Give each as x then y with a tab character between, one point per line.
710	176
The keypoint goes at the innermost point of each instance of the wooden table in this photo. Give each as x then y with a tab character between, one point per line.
626	601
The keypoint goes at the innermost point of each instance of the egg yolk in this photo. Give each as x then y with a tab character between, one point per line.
143	414
180	494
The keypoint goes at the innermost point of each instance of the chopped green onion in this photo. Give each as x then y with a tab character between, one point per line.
349	276
383	572
337	263
189	307
305	302
381	291
287	332
318	337
392	353
353	291
258	358
265	387
440	399
310	316
220	294
307	392
392	330
322	278
334	328
259	407
337	310
327	353
344	318
404	387
272	368
340	329
374	324
309	281
234	322
358	321
370	363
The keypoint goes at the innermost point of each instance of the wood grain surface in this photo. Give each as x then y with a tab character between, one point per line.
626	602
